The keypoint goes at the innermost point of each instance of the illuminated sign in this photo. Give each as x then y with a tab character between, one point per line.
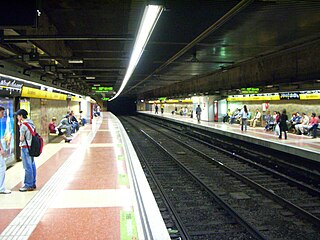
10	85
253	98
310	96
36	93
102	88
105	99
290	96
170	101
162	98
249	90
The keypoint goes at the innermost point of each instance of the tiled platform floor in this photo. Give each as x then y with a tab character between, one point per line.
92	199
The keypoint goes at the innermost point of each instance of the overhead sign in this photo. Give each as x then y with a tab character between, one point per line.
253	98
102	89
75	99
10	85
310	96
290	96
250	90
36	93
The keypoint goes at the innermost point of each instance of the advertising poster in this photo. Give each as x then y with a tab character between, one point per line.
25	104
7	130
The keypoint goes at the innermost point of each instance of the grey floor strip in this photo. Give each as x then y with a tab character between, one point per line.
26	221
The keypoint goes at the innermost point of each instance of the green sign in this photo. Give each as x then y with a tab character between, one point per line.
105	99
128	226
162	98
249	90
102	89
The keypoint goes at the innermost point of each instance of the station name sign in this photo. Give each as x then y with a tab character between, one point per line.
290	96
10	85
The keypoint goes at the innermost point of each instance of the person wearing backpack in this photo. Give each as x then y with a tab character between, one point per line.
25	143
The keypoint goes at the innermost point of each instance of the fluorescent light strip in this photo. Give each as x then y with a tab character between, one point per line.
150	17
35	84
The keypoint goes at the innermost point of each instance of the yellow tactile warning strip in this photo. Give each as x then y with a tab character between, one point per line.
26	221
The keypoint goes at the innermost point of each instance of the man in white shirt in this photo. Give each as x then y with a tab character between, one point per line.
256	118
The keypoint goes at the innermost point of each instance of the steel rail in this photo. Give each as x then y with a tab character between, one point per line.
168	203
308	216
251	229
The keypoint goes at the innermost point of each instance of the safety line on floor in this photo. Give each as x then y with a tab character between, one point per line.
27	220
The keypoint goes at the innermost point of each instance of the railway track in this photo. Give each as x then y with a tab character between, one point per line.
274	218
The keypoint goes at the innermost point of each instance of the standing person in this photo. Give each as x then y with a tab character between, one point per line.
156	109
99	110
162	108
198	112
244	116
3	166
28	161
283	124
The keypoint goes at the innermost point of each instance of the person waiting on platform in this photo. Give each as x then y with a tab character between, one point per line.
296	119
283	124
54	130
185	112
313	125
156	108
256	118
181	112
74	122
64	124
244	116
269	122
162	108
198	113
304	123
83	121
236	115
226	117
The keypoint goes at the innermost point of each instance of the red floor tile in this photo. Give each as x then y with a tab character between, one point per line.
6	216
79	223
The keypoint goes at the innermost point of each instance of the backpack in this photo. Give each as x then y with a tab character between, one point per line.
36	143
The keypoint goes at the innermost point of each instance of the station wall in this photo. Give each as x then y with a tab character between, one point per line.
292	106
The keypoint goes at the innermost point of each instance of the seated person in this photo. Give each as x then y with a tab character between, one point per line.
293	121
83	121
52	129
269	122
226	117
74	122
255	119
313	125
181	111
64	124
236	115
304	123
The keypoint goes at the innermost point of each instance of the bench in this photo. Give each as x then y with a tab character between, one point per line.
55	137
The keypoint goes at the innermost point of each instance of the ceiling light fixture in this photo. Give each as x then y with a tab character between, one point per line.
90	78
149	19
75	61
